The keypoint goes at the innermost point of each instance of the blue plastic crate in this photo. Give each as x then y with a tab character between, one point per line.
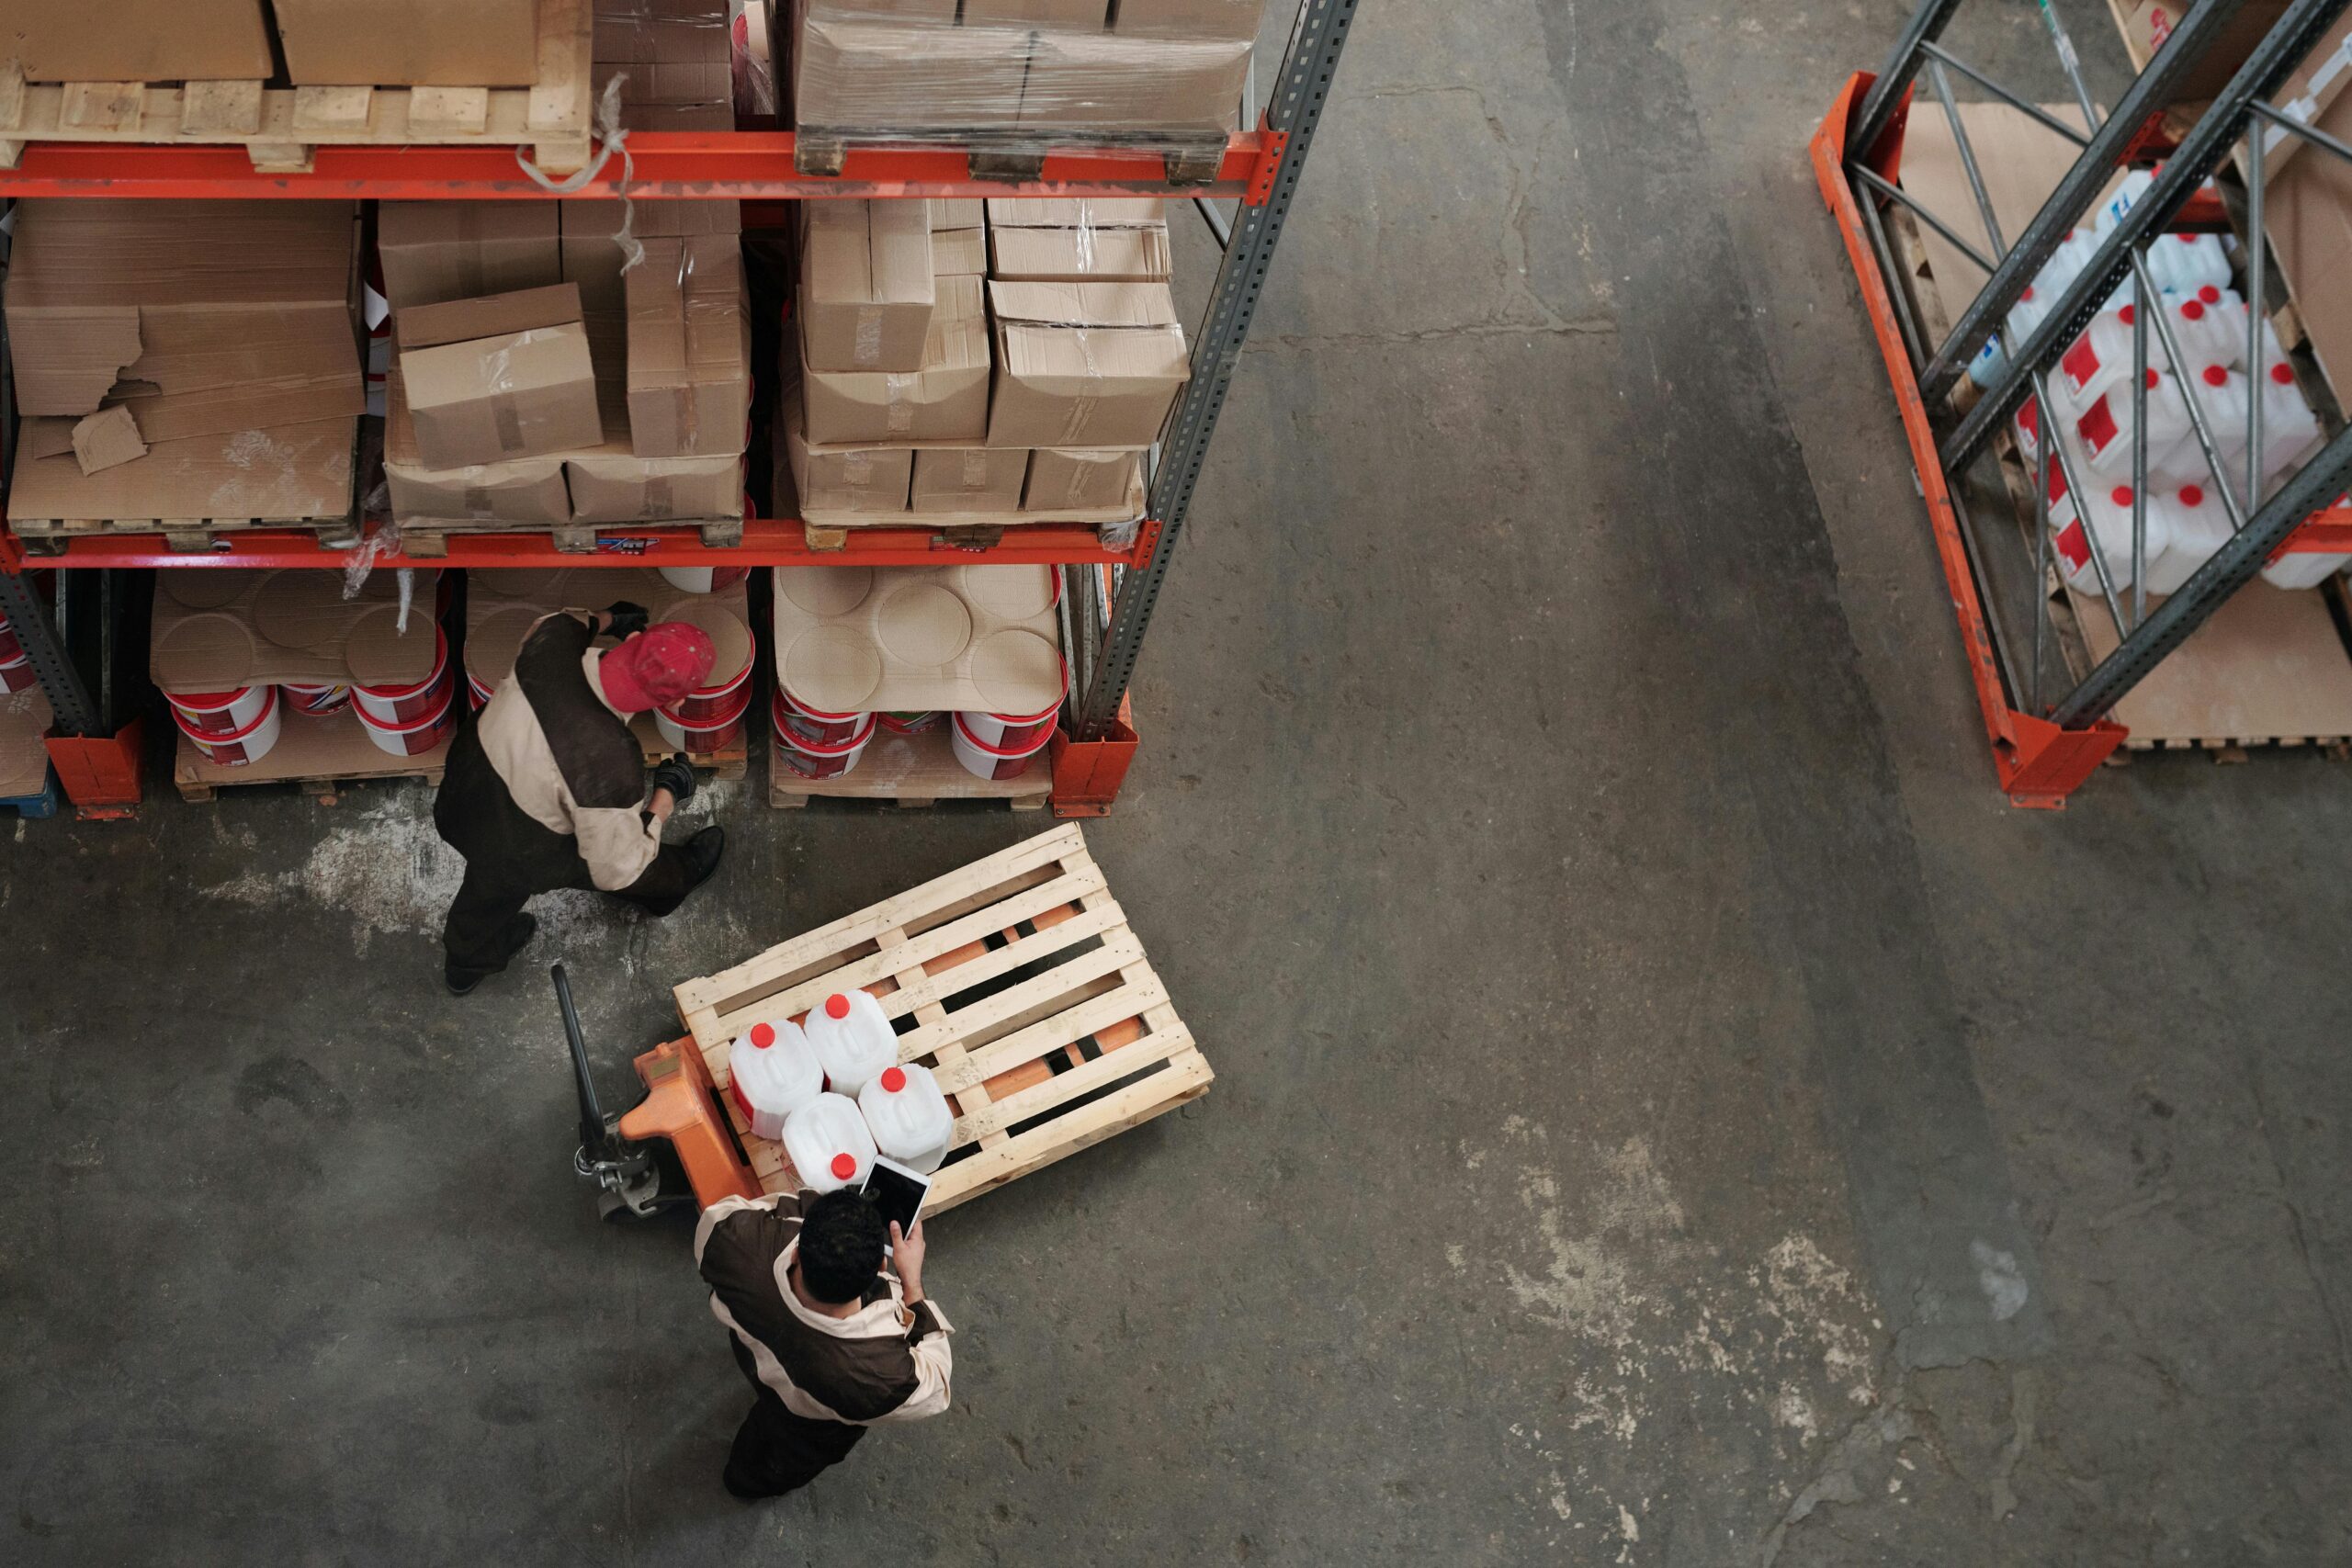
44	803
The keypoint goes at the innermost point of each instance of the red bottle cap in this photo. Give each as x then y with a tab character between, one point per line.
893	1079
2155	378
2127	315
2210	295
2192	311
2120	496
2283	374
763	1035
2192	495
2216	375
844	1166
837	1007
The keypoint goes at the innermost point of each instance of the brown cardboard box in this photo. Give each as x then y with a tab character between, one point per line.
106	438
434	250
867	288
689	349
528	492
852	72
500	378
866	479
969	479
959	238
202	316
1109	81
593	261
25	719
1077	16
1091	365
2152	21
2307	209
137	40
611	484
668	84
1079	481
285	473
1233	20
413	43
946	400
228	627
1078	240
976	638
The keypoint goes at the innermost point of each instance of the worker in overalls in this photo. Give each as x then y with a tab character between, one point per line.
545	787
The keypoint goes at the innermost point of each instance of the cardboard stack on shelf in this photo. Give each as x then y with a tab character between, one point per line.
675	59
1043	69
191	362
977	364
420	43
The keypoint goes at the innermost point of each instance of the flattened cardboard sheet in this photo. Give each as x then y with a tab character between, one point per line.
979	638
220	629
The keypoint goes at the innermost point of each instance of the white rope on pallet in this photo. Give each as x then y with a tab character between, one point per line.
611	139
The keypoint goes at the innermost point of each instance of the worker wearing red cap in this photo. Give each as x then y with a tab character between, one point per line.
546	787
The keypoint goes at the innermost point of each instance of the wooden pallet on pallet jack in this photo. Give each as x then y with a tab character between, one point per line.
2270	667
1016	980
280	128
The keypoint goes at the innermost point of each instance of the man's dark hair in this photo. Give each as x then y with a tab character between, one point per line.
842	1238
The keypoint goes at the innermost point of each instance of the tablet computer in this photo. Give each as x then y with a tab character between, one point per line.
898	1190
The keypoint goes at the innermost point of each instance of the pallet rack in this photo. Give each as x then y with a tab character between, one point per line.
2044	748
70	639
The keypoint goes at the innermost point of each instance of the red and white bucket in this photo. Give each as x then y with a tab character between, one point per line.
477	693
820	759
220	713
1015	731
815	726
314	700
703	733
910	723
703	579
235	747
726	700
413	737
987	760
395	706
17	675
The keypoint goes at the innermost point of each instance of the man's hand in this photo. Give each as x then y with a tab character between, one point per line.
625	620
677	776
907	1251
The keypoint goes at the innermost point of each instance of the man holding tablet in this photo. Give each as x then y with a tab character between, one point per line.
832	1343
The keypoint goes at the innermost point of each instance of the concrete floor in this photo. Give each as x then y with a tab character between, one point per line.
1670	1111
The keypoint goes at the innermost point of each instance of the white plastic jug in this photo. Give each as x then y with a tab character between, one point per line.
2106	427
2111	211
2183	263
2112	522
2296	572
853	1040
828	1142
2100	357
2210	325
2289	430
775	1073
2194	526
910	1118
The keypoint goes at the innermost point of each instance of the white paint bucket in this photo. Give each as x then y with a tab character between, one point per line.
236	747
725	700
220	713
413	737
17	675
984	761
821	758
910	723
813	725
314	700
1015	731
710	732
703	579
398	704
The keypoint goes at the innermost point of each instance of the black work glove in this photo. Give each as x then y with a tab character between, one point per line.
677	776
628	619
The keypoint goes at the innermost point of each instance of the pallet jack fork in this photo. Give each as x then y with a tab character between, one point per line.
674	1150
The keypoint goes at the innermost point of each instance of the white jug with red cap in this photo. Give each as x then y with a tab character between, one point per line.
772	1072
908	1115
828	1143
853	1040
2110	528
2104	428
2194	526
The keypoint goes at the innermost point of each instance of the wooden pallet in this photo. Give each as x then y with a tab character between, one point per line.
1043	1065
912	770
195	536
280	128
322	753
428	538
731	764
1014	156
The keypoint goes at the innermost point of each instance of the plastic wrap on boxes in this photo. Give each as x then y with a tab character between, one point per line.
910	70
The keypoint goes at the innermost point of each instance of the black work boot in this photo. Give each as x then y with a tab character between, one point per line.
702	855
462	982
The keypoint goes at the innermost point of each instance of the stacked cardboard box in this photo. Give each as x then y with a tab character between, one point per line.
193	359
1065	68
675	59
934	384
418	43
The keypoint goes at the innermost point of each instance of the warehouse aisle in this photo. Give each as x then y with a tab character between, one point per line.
1670	1111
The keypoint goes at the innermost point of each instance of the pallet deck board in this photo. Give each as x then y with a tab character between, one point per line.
281	126
1085	1048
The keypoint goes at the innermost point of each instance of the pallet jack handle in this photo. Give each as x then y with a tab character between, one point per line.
593	1132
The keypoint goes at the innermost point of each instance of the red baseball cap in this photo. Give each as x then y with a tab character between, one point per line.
657	667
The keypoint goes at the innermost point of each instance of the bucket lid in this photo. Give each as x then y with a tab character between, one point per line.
203	702
268	707
783	695
409	727
829	748
395	692
964	733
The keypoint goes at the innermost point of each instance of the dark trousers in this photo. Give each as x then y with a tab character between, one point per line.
479	935
776	1451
